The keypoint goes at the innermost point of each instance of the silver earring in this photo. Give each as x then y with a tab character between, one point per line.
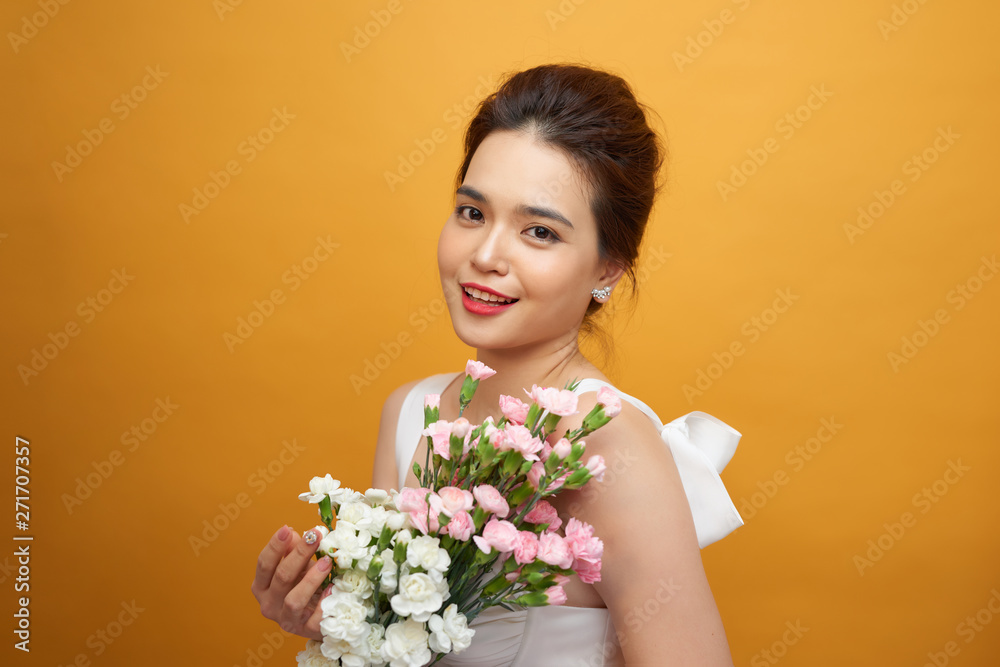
601	293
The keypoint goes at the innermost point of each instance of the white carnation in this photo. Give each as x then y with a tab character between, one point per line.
313	656
376	497
348	545
320	488
345	495
450	632
418	597
406	644
389	572
344	618
397	520
355	582
357	514
426	552
376	638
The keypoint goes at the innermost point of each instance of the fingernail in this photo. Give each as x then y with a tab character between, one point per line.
324	564
310	537
283	533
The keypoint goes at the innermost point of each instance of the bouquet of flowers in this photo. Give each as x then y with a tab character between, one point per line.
411	569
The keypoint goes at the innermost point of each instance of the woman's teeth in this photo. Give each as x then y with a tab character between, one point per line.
486	297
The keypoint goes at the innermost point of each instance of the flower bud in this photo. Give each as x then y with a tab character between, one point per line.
460	427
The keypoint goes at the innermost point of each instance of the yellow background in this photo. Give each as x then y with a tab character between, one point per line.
356	117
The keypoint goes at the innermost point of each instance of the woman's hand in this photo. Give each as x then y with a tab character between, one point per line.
287	583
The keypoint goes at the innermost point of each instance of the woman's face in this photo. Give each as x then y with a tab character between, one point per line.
522	236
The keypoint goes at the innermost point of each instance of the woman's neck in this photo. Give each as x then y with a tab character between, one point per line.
518	369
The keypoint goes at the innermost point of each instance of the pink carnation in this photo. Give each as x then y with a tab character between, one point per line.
491	500
432	401
544	512
558	402
563	448
526	548
499	535
595	464
461	427
519	439
552	549
586	549
536	473
440	435
513	409
411	500
588	572
450	500
461	526
609	399
545	451
489	432
556	594
477	370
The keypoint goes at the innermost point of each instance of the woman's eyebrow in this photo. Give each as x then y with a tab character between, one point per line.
522	209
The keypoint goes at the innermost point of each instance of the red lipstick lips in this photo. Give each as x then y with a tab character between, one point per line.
479	307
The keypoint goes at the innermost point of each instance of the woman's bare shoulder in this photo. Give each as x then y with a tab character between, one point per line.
384	472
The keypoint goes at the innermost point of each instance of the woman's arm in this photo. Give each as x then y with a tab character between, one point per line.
385	474
651	551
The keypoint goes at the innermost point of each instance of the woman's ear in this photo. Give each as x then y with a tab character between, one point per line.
611	274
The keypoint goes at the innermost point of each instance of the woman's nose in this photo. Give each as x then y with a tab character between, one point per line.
492	253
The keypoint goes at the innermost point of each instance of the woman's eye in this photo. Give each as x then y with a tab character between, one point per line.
469	213
542	233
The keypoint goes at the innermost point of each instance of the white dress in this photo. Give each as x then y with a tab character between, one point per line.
552	636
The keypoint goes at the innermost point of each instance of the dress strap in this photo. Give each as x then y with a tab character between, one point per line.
593	384
411	420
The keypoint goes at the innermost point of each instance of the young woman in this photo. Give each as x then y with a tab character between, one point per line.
558	180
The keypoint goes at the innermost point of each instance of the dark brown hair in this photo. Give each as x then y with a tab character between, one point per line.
594	118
